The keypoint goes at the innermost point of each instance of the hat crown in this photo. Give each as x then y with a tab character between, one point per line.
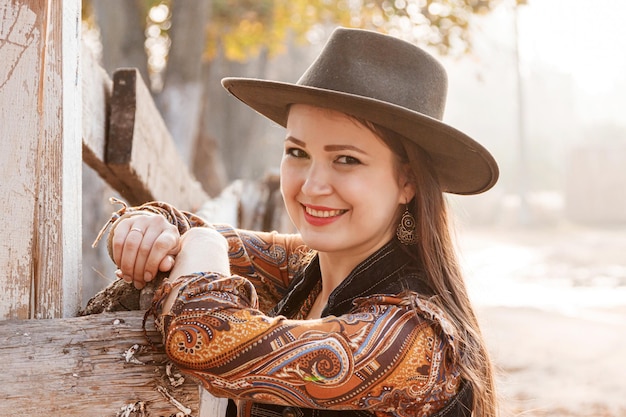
376	66
386	81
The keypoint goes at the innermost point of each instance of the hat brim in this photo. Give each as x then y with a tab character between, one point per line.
463	166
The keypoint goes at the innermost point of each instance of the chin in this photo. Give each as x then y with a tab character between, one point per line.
318	241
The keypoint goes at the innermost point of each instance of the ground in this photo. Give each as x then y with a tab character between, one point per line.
552	306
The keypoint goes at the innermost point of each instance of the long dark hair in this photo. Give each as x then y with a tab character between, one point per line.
436	252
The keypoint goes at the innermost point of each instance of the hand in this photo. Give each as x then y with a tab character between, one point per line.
142	245
201	250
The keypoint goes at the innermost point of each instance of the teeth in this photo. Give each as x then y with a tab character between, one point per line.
324	213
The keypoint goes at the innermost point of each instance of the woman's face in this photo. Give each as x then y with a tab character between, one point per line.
340	182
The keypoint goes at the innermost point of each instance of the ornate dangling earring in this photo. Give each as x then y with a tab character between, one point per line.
406	229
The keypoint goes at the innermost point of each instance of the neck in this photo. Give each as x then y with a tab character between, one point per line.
334	270
335	267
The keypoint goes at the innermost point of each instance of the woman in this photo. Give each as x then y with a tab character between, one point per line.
364	312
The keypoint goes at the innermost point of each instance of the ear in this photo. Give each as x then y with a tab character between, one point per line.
407	187
408	192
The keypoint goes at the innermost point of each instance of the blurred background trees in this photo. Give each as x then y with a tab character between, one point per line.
184	47
569	258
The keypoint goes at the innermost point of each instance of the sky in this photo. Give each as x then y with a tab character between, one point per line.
576	48
581	37
580	47
583	41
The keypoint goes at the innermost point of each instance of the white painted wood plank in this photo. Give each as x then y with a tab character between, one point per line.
40	158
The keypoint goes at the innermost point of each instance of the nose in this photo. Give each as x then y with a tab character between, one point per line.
317	180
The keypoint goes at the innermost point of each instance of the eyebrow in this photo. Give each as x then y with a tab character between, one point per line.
327	148
296	141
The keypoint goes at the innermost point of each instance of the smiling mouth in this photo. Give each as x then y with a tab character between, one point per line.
323	213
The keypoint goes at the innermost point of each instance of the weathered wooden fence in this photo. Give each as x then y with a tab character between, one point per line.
58	108
40	154
86	366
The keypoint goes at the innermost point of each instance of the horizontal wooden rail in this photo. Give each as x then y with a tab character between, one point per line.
140	150
81	367
126	142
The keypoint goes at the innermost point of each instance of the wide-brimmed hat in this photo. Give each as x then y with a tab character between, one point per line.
389	82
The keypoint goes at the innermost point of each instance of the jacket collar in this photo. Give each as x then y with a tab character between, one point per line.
389	270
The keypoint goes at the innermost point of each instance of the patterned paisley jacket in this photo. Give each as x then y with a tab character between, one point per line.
380	349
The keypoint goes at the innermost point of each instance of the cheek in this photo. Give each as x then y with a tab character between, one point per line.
378	187
288	180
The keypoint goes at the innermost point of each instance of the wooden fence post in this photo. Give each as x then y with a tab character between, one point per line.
40	158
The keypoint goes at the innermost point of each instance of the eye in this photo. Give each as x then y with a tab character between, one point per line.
296	153
347	160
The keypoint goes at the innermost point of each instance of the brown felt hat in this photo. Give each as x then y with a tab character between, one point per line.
389	82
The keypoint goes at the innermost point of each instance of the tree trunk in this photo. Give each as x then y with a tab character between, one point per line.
122	24
180	101
229	125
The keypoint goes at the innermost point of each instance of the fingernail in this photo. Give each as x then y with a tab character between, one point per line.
127	278
147	276
118	273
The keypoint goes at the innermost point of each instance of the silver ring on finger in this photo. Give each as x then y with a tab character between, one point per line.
136	229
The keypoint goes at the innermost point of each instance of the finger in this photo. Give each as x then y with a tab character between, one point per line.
139	284
142	271
120	275
165	244
119	238
122	231
129	252
167	263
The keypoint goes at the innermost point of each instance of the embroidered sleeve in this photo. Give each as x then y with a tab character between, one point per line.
389	356
267	259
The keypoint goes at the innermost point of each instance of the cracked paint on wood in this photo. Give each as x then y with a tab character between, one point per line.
40	158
